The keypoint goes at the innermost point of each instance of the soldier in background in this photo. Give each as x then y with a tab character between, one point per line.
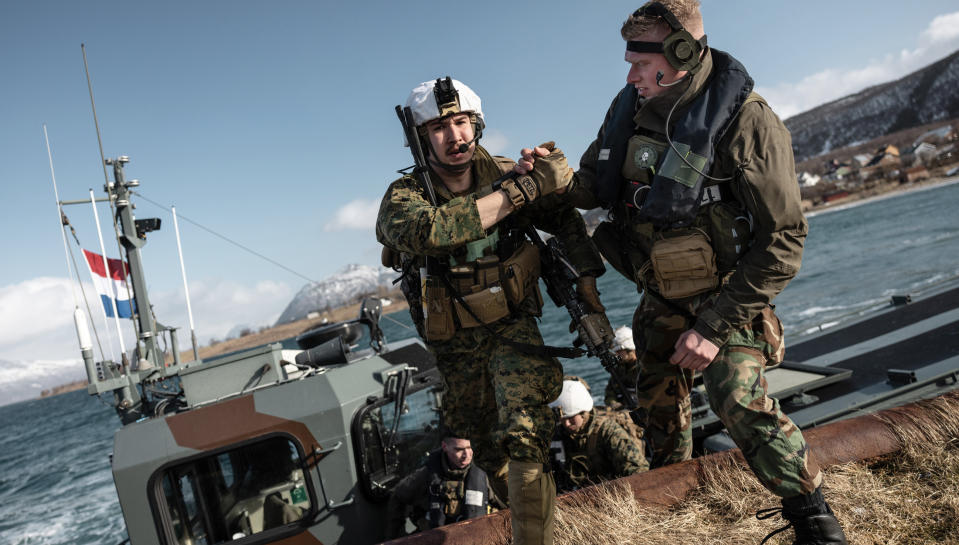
449	488
625	348
593	444
478	280
698	175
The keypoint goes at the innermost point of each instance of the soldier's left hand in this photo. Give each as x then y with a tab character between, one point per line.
693	351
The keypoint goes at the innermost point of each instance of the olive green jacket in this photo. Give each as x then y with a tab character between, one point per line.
757	152
408	222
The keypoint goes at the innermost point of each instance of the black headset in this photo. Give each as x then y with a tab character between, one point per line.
681	50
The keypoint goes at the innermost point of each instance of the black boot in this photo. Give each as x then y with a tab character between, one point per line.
810	518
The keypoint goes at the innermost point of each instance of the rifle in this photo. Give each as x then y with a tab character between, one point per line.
560	277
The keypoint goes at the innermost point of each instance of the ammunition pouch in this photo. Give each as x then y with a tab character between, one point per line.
438	307
684	264
520	276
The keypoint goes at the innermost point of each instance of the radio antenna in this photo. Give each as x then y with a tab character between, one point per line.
106	178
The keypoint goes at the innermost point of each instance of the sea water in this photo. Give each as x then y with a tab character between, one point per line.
55	480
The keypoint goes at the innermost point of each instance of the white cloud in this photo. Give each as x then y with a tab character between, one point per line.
495	142
944	28
939	38
38	340
358	214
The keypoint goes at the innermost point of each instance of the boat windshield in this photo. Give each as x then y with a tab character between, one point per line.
230	495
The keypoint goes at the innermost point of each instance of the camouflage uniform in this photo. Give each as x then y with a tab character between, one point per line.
737	316
495	396
601	450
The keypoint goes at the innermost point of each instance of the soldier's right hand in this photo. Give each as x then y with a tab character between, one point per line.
549	173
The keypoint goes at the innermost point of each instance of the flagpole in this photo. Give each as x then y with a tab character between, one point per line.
186	288
66	252
106	267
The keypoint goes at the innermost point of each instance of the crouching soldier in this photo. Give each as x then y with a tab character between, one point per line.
449	488
593	444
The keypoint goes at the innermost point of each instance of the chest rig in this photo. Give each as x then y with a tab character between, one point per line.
485	280
682	229
455	495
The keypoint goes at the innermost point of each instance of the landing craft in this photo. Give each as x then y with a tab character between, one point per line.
276	444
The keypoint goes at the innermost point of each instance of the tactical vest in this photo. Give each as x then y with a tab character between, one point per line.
485	280
453	499
676	232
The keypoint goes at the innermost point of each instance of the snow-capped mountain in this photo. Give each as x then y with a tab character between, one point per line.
342	288
924	96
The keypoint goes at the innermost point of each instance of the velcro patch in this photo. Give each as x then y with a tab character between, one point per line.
474	497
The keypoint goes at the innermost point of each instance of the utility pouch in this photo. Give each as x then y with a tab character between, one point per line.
730	233
520	273
684	264
463	278
439	324
488	305
390	257
642	156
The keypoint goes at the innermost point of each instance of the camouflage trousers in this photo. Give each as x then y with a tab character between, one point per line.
736	387
497	397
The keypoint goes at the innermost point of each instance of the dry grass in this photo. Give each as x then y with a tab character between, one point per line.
908	498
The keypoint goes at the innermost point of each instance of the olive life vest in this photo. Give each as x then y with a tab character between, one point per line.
675	193
452	496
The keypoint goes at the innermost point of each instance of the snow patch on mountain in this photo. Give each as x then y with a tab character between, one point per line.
927	95
345	287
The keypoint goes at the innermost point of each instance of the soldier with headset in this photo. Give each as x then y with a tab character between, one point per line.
698	175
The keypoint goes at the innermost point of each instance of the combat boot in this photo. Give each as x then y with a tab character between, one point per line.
810	518
532	492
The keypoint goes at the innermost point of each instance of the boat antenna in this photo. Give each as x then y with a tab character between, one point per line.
106	269
67	254
186	288
106	180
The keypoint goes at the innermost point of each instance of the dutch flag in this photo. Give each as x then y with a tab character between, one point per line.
112	286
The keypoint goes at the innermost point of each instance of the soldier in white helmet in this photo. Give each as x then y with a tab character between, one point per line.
625	348
593	444
477	297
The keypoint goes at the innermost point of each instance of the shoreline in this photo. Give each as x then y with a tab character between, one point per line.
877	194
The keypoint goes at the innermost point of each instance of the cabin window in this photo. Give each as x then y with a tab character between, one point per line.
417	433
244	491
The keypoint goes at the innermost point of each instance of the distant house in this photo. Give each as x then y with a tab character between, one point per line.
886	155
913	174
924	153
829	197
808	179
935	136
862	159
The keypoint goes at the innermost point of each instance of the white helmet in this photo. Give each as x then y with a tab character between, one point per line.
573	400
624	339
435	99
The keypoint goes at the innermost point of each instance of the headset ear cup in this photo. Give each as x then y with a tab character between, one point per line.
682	50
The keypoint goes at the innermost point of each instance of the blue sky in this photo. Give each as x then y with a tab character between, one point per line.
273	123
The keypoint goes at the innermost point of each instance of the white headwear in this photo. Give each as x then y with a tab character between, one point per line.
574	399
624	339
422	101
